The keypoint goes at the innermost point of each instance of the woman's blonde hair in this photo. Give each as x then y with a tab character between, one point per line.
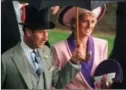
83	13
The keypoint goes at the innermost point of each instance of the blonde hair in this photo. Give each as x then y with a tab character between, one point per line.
86	14
82	14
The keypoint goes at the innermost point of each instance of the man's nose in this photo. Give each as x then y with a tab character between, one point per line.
45	36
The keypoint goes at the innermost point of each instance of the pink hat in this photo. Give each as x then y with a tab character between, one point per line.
69	12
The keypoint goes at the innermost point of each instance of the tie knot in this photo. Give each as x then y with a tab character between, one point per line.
34	52
36	56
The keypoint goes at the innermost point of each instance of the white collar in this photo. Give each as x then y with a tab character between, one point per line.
26	48
17	4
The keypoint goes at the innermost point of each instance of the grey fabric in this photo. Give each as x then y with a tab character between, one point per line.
15	72
34	77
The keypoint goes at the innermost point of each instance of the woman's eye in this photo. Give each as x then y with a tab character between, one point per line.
92	21
83	21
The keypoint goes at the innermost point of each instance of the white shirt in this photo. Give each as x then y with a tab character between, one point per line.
17	7
29	54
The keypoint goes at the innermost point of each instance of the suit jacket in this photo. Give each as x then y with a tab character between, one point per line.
15	73
63	54
9	26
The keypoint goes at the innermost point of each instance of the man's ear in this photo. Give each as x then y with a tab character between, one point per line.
28	32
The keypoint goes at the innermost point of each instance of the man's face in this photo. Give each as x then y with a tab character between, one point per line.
38	38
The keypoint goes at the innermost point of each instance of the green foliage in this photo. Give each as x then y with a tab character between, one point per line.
57	35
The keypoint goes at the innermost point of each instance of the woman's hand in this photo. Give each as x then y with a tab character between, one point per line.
105	84
79	54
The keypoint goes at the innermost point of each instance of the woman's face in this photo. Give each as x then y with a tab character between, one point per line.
87	24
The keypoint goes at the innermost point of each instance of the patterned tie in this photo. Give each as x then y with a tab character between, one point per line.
37	60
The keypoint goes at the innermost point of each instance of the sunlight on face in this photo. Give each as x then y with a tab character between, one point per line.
87	24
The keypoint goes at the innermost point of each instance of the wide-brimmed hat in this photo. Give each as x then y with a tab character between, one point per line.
36	19
69	12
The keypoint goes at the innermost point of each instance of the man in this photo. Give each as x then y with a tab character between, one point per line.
11	31
30	65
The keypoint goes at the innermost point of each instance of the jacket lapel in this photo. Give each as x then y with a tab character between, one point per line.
84	80
46	62
21	63
80	73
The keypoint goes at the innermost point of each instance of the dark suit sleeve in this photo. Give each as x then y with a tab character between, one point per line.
63	76
10	34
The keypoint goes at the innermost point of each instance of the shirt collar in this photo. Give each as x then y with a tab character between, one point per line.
17	4
26	48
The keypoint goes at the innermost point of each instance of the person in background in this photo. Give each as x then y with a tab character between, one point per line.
94	49
30	64
55	9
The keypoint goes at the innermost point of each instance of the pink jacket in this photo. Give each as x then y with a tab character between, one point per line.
63	54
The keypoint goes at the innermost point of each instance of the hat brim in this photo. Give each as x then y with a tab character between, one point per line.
68	12
114	67
49	26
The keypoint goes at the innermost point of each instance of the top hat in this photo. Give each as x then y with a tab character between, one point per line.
69	12
36	19
110	66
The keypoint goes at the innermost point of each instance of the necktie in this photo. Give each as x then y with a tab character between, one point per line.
37	60
23	16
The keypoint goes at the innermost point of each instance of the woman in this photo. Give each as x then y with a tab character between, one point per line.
95	48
